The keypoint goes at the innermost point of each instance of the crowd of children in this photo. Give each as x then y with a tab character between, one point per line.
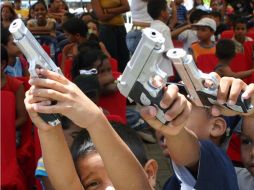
99	147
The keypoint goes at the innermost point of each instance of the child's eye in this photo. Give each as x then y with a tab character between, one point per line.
92	185
246	141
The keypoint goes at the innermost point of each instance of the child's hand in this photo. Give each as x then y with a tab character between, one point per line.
229	90
71	102
177	114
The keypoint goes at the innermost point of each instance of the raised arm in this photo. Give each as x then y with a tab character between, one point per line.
182	144
72	103
226	71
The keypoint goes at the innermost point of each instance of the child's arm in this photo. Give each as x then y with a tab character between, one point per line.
72	103
182	144
43	30
178	31
226	71
173	19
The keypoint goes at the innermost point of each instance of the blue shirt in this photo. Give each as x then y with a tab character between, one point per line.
181	14
16	70
215	172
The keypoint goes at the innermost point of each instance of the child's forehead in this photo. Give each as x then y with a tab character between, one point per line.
240	25
248	123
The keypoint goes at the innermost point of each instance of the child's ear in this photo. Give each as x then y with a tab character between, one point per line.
151	168
218	127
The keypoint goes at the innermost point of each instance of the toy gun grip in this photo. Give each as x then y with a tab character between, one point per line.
143	97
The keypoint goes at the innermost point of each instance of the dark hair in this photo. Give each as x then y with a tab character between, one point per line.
40	2
5	36
89	85
240	21
69	15
91	14
13	13
4	54
82	144
216	14
225	49
133	141
154	8
86	60
196	15
88	45
75	26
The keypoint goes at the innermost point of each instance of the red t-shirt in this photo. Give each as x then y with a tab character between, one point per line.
12	84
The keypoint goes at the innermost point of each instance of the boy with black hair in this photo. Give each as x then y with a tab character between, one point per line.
239	38
225	52
159	11
217	16
206	28
76	32
83	151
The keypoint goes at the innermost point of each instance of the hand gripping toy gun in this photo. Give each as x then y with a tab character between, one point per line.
36	57
136	80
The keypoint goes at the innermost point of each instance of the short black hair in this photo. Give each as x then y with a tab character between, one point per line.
85	60
69	15
133	141
216	14
89	85
75	26
154	8
225	49
5	33
240	21
82	144
196	15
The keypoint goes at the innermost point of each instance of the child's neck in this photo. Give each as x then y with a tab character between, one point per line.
224	61
206	43
11	61
162	20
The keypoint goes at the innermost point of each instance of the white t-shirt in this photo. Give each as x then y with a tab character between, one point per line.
139	11
164	29
244	178
188	37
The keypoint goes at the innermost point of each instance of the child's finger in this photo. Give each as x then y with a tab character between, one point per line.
236	88
148	114
169	96
249	92
183	117
224	88
53	76
48	94
47	83
176	108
